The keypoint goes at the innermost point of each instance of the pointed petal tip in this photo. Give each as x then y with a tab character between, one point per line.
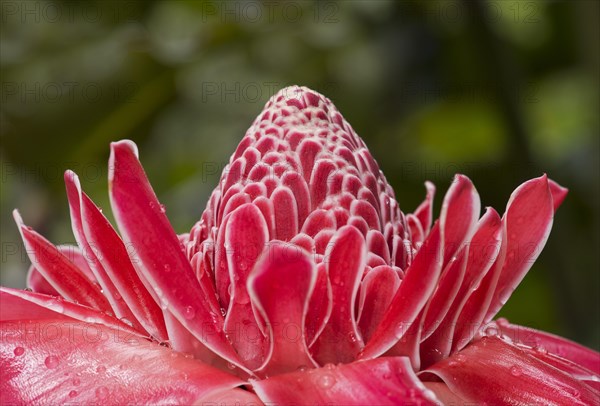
18	218
559	193
124	144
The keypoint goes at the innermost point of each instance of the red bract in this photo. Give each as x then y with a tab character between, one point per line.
303	283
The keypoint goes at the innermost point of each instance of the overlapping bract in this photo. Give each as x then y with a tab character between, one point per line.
303	282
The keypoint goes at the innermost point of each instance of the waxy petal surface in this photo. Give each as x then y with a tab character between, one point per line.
414	291
340	341
382	381
66	278
110	261
158	253
280	288
89	363
528	220
495	372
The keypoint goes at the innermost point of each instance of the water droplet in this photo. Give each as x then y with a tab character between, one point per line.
127	321
163	209
223	311
230	365
76	381
302	368
56	305
243	265
164	303
515	371
326	381
102	392
151	204
541	349
19	351
453	364
73	393
242	299
101	369
189	313
51	362
491	331
329	366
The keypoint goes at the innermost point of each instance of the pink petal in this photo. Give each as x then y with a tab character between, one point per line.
245	239
21	305
492	371
424	213
62	274
318	181
37	282
340	341
280	287
446	291
299	187
482	251
415	289
478	300
320	307
60	362
233	397
556	345
376	293
110	262
382	381
157	252
286	213
558	193
460	211
528	220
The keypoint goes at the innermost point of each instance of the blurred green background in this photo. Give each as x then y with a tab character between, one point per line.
500	91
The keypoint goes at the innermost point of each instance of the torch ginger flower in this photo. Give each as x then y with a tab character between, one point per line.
303	283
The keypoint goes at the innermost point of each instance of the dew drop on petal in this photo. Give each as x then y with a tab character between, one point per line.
164	303
101	369
102	392
515	371
541	349
73	393
76	381
127	321
19	351
491	331
326	381
189	313
163	209
51	362
230	365
302	368
167	268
